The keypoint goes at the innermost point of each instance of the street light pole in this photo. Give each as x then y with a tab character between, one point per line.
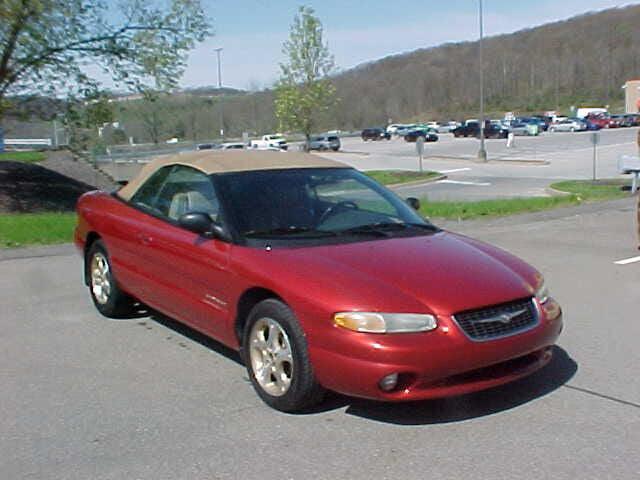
218	50
482	153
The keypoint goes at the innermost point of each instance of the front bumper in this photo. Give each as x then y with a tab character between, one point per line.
435	364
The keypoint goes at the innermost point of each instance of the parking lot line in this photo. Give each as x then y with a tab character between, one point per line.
456	170
460	182
627	261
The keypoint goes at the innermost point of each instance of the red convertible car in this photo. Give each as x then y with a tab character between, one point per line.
319	276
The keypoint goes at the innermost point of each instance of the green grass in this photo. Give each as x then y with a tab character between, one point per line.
21	229
599	190
493	208
25	157
390	177
579	190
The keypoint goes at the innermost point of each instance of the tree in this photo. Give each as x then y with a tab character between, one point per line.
49	46
304	92
152	115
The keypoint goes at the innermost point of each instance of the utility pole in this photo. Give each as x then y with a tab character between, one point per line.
482	153
218	50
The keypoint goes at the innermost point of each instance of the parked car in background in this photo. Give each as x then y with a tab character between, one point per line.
603	120
472	129
315	274
324	142
402	130
427	135
624	120
545	121
448	127
375	134
519	128
391	129
469	129
206	146
568	125
269	142
537	122
233	146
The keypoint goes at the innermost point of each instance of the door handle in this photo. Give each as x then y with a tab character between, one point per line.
144	239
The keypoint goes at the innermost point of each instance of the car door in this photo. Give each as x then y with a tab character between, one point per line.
188	273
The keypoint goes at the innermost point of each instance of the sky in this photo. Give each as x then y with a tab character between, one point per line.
251	32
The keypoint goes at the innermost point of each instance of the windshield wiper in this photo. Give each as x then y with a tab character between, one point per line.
381	229
291	230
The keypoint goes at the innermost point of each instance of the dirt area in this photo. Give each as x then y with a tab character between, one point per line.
52	185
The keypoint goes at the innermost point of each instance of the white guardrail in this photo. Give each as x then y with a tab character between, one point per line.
46	142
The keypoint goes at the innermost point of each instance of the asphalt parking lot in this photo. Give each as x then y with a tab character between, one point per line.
525	170
86	397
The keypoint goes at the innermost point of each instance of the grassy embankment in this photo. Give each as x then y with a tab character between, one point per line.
20	229
25	157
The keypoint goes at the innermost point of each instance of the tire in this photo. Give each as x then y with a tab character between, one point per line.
572	129
272	331
108	298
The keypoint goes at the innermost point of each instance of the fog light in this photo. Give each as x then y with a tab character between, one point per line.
389	382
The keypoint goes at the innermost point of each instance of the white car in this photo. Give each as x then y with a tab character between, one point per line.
402	130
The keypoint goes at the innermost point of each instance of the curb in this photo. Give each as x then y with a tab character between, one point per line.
417	182
557	193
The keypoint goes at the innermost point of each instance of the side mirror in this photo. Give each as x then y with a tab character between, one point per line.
201	223
197	222
413	203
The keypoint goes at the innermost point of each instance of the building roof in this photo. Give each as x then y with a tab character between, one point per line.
224	161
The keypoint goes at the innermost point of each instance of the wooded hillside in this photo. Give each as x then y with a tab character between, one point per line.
581	61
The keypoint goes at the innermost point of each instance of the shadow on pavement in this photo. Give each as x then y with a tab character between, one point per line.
196	336
447	410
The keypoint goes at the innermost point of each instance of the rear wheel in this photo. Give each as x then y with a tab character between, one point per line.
105	293
277	358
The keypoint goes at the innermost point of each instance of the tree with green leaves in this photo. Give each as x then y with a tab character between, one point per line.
304	91
54	47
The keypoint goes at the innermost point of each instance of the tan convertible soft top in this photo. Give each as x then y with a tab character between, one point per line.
209	162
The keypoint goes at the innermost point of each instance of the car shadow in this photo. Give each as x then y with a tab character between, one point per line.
465	407
196	336
559	371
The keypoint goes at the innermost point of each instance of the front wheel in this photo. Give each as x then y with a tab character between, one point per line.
103	287
277	358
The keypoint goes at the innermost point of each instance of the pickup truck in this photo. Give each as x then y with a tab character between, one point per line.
270	142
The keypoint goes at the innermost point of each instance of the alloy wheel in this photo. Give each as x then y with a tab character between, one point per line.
100	278
271	357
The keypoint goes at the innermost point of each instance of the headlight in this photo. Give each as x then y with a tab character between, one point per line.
372	322
542	294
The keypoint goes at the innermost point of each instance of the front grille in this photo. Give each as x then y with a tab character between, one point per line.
498	320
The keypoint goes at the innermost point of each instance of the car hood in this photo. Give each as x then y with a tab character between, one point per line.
445	272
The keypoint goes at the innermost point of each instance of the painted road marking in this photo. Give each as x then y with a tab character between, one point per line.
627	261
455	170
459	182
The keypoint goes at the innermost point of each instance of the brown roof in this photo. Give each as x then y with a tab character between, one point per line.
229	161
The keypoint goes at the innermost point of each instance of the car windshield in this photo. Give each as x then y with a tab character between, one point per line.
319	204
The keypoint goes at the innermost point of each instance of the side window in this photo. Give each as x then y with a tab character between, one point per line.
187	190
146	195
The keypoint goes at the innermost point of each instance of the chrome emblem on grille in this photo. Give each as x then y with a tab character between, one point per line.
503	318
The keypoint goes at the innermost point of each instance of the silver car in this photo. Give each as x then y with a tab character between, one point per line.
324	142
568	125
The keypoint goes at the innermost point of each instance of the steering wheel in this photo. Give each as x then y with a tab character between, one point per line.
333	209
